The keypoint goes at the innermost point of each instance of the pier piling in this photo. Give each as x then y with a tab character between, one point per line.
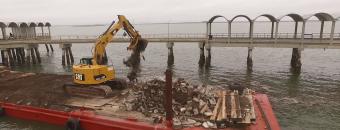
208	58
28	56
250	59
4	58
47	49
201	61
296	58
18	56
171	57
22	55
67	56
10	57
51	48
33	56
63	56
14	56
71	55
37	54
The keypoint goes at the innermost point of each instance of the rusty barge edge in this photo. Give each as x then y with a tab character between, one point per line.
88	120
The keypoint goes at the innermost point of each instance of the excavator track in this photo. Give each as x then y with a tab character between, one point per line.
100	90
87	90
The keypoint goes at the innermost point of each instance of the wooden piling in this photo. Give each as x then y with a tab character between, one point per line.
37	53
33	56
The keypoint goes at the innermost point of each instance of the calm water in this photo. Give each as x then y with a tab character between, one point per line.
309	100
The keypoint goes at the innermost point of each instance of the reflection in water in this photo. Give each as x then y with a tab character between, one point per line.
248	77
201	61
293	82
204	74
208	59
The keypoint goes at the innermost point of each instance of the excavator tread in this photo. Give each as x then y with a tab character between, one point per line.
87	90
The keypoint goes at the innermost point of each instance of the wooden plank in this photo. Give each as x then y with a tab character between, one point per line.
249	95
233	106
204	108
215	112
238	106
228	104
224	116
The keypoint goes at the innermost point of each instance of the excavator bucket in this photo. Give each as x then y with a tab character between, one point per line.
141	45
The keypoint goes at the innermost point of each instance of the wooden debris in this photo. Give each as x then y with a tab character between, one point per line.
224	116
248	94
231	106
215	112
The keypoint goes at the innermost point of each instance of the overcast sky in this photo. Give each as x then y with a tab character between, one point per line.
69	12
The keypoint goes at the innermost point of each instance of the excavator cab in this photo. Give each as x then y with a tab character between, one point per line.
86	61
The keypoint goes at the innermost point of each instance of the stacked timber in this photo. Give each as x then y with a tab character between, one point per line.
233	107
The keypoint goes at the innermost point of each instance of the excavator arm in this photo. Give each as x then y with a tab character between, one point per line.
136	42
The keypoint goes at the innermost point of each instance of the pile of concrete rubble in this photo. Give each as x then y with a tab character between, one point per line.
193	105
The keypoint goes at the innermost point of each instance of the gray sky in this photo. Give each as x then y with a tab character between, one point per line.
61	12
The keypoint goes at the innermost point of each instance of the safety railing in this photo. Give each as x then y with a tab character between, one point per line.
203	35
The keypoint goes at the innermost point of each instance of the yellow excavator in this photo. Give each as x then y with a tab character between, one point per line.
92	77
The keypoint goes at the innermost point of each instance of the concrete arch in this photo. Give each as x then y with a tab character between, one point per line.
40	24
3	25
210	21
32	24
244	16
272	20
13	25
23	25
321	16
295	17
217	16
269	16
250	24
47	24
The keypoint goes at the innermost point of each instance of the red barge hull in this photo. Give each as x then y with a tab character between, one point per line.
88	120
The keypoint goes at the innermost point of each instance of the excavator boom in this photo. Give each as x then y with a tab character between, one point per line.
136	44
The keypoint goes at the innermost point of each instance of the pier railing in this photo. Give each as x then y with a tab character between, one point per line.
325	36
